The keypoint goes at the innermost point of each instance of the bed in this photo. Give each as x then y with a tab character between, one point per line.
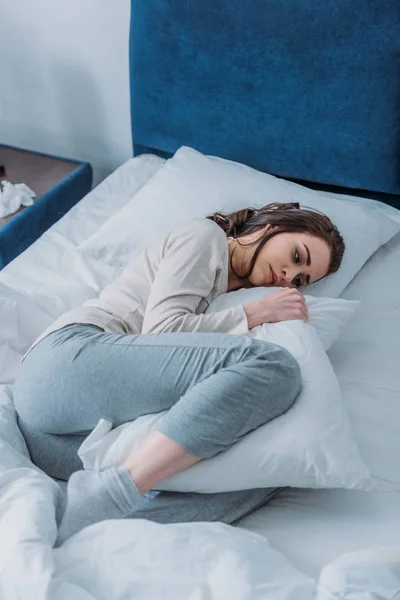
304	544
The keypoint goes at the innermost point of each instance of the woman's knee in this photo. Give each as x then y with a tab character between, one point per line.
290	376
283	375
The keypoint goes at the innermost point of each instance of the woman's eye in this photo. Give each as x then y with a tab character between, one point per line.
297	281
297	257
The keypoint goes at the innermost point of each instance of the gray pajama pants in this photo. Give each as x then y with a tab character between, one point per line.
217	388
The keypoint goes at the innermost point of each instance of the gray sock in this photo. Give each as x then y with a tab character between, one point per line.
93	496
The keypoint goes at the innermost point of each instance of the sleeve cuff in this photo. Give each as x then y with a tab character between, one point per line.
240	324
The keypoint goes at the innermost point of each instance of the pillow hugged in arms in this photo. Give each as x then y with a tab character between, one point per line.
327	315
311	445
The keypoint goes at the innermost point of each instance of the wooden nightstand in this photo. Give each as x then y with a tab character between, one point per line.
58	183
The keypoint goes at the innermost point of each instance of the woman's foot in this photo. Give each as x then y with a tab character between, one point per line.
94	496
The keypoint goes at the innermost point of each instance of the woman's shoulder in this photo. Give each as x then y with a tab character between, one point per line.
201	230
197	242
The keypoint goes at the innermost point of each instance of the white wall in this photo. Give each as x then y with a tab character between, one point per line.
64	79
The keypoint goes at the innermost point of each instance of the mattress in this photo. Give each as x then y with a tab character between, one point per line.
309	527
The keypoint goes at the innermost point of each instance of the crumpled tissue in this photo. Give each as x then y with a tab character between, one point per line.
14	195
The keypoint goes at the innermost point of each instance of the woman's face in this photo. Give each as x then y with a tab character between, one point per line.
289	260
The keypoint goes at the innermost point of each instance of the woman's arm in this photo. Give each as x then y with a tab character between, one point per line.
187	273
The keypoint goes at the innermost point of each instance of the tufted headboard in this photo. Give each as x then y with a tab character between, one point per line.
304	89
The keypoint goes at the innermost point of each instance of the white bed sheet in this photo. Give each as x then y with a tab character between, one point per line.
310	528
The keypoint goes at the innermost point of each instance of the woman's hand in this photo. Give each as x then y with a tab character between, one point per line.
284	305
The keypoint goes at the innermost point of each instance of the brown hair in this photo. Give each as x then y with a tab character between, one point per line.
288	217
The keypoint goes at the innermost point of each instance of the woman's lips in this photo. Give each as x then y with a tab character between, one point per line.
274	278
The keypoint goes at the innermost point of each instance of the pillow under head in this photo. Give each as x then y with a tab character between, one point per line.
192	185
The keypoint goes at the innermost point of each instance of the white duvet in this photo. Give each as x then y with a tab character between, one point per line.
140	559
135	558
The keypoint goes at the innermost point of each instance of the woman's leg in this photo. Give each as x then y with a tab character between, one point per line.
218	387
164	507
56	455
177	507
216	395
212	416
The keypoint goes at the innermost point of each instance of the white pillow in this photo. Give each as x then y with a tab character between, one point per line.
311	445
191	185
327	315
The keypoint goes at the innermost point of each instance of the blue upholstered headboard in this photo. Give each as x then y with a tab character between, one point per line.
303	89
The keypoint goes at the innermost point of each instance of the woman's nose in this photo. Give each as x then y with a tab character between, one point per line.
287	274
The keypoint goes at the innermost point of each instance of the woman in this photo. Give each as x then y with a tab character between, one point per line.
107	359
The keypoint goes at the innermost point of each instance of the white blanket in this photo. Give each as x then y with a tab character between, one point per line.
136	558
140	559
